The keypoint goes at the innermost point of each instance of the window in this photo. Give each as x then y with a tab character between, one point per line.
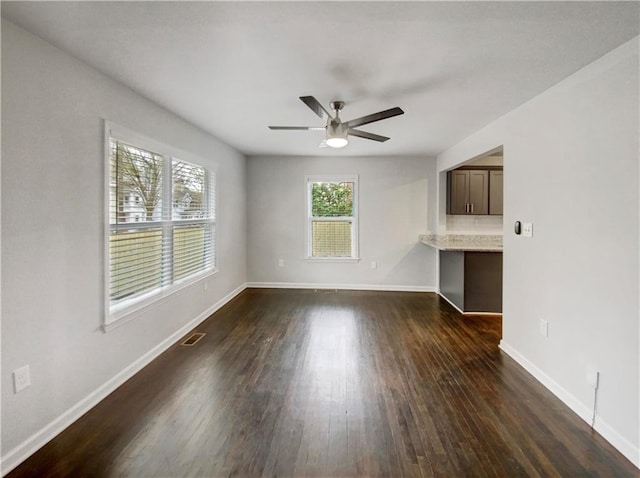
161	234
332	225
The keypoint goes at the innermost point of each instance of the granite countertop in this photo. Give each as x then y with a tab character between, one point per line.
463	242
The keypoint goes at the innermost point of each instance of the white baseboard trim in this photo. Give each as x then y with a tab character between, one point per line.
324	286
36	441
624	446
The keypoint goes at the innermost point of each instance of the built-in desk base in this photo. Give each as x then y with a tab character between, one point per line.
472	281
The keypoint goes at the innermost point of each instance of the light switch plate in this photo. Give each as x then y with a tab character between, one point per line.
527	229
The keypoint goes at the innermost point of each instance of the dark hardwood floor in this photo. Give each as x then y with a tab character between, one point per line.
347	383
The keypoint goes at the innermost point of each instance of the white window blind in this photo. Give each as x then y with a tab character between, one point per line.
161	225
331	218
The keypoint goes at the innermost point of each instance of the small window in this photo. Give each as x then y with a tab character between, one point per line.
332	225
161	220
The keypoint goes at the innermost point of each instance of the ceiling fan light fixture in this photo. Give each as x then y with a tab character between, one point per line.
336	134
337	142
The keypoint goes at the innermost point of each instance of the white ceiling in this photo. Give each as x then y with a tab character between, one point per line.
232	68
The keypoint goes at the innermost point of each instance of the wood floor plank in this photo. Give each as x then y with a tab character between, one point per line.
330	384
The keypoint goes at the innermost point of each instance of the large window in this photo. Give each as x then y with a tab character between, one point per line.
332	226
161	224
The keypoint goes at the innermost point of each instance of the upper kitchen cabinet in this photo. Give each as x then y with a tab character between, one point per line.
474	192
458	192
468	191
495	192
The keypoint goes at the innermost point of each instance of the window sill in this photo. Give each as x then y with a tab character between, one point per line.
121	315
332	259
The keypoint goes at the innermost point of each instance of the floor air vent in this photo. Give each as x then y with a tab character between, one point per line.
193	339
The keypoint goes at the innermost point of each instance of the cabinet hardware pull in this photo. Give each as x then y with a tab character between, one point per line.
471	207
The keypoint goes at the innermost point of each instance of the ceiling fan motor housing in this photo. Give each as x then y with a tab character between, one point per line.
335	128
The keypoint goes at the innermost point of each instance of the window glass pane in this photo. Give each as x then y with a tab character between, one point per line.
136	184
332	199
161	224
135	261
192	249
331	238
188	194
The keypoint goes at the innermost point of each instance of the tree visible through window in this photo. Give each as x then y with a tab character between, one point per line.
332	218
161	222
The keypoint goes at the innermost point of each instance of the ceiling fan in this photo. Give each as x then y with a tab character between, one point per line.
337	131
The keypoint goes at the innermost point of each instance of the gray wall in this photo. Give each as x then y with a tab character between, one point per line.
53	108
571	168
397	198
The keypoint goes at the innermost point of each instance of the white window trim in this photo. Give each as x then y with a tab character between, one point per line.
126	311
334	178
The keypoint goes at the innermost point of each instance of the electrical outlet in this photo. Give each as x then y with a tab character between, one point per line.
374	265
593	378
544	328
21	378
527	229
280	262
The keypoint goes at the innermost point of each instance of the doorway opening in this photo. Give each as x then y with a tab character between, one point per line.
472	220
